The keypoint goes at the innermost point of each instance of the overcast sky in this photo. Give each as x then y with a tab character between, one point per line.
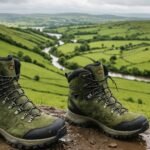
83	6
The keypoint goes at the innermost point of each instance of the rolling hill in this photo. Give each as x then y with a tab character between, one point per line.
63	19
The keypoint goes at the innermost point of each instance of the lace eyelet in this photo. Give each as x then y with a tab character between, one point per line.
30	120
118	114
16	112
89	96
10	107
97	101
23	117
105	105
5	100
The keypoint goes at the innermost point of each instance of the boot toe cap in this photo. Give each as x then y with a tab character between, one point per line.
136	124
46	132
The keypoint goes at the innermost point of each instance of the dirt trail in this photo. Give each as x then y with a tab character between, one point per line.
79	138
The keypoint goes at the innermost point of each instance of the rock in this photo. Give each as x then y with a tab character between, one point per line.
113	145
92	142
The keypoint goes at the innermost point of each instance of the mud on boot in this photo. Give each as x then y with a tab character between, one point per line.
22	124
90	100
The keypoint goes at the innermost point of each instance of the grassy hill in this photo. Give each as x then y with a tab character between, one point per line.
125	29
52	88
30	39
45	91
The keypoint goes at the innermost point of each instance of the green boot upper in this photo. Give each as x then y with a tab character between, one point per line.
90	96
18	115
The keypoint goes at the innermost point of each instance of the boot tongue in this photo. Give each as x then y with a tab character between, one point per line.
7	66
97	69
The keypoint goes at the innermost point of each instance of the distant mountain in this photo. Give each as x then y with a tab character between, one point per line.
53	20
143	16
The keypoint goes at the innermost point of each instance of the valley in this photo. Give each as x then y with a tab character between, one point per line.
117	45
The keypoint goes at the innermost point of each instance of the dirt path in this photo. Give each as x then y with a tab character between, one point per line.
79	138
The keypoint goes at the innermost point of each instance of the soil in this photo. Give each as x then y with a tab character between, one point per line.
80	138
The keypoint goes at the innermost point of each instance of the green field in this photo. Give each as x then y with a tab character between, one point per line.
68	48
128	42
138	29
52	88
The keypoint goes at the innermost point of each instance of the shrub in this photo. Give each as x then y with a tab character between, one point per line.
76	48
135	71
38	64
53	49
20	54
123	69
140	101
146	73
146	49
36	78
122	48
130	99
62	60
72	65
84	47
102	45
113	58
103	60
27	58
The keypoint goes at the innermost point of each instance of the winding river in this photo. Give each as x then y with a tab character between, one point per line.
113	74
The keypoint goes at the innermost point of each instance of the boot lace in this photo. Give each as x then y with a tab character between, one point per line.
7	96
101	91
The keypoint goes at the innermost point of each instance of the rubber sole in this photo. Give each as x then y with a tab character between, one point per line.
32	144
82	120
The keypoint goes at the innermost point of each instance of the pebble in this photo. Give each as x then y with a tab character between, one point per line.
112	145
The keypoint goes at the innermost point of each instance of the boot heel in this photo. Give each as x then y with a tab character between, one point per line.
77	119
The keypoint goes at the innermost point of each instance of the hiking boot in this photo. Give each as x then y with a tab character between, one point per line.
91	101
21	123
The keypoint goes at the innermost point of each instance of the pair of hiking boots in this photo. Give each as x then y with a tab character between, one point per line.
90	100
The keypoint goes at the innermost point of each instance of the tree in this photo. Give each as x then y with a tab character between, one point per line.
103	60
76	48
140	101
113	46
123	69
84	47
122	48
36	78
53	49
27	58
135	71
113	58
20	54
62	60
130	44
102	45
72	65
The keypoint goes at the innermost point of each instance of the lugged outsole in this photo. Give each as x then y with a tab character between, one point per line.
86	121
62	132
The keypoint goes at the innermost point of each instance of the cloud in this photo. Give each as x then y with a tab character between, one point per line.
13	1
85	6
122	2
